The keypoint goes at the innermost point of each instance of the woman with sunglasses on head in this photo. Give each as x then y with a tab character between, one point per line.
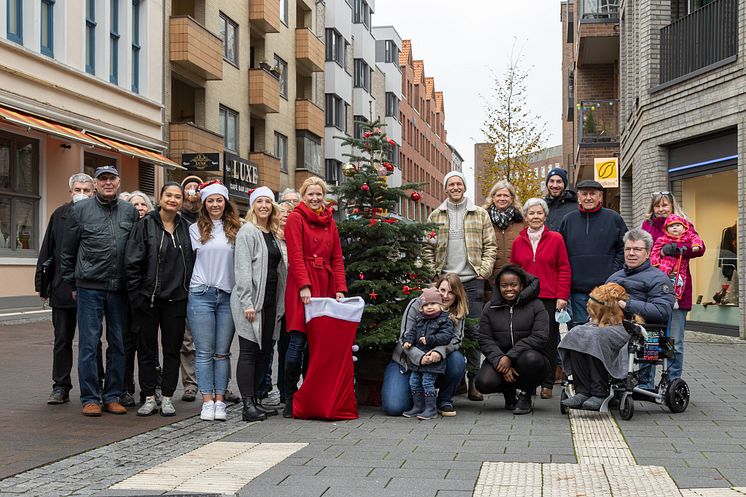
662	205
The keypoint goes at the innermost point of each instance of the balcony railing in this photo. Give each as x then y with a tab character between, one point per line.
598	9
703	38
195	49
599	122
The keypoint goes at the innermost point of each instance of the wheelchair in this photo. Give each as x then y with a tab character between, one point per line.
648	345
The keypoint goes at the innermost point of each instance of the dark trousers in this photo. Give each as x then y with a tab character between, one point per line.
282	350
551	347
474	295
64	321
130	348
170	316
252	363
264	378
589	375
532	367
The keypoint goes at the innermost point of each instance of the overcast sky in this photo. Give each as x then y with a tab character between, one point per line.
463	43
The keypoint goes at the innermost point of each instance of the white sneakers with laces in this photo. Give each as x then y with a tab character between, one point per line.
208	411
220	414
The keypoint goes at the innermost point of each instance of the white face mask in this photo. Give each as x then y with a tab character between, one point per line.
78	197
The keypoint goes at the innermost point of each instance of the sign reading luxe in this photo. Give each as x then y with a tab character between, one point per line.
201	162
240	175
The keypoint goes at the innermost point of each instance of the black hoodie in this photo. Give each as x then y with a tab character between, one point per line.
510	330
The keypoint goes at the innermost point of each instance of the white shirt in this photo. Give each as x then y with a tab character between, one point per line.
214	262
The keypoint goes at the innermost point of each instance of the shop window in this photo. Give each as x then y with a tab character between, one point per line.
19	195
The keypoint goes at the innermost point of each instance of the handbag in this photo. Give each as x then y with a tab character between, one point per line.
47	274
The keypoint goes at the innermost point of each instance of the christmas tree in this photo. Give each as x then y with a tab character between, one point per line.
382	251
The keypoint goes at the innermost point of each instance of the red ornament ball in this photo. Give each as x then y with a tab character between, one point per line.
416	196
406	290
389	166
364	187
361	276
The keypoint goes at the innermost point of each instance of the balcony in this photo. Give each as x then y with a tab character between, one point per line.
309	117
264	16
194	49
186	138
269	169
703	40
264	92
309	51
599	123
598	10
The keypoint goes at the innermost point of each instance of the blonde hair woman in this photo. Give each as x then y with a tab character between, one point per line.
506	214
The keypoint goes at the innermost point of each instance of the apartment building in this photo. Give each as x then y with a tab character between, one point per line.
590	87
682	130
244	91
388	91
425	156
80	87
457	162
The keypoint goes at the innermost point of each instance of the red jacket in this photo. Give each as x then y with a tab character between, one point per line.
550	264
314	259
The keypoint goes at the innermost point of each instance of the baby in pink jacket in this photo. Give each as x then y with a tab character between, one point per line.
678	235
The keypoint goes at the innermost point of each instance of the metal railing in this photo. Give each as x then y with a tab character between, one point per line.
599	121
598	9
702	38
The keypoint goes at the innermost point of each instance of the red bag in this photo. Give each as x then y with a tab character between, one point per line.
328	389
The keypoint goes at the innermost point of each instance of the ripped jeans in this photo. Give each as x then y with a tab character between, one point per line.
211	321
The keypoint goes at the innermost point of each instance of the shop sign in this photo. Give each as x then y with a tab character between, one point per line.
239	175
201	162
606	172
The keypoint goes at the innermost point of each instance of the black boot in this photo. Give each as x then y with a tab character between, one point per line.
474	394
292	375
510	399
430	410
418	404
250	412
268	411
524	404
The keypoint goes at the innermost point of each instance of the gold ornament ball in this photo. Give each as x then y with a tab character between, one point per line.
349	170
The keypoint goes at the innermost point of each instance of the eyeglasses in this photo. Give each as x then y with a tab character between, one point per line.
668	194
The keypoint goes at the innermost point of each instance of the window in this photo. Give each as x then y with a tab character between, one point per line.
229	35
284	11
281	150
335	47
362	75
392	53
229	128
392	105
283	67
19	195
47	27
114	42
90	36
336	112
308	152
136	46
331	175
361	13
15	20
357	127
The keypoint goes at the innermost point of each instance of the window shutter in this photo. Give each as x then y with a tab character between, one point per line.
146	178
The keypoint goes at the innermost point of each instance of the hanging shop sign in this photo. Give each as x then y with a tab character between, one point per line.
606	171
239	175
201	162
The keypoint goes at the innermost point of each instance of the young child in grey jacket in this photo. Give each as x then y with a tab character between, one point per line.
432	329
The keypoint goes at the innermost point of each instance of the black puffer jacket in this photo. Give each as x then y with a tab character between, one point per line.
438	331
96	231
512	329
559	207
61	292
145	251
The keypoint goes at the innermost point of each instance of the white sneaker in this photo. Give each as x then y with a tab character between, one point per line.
273	399
208	411
220	414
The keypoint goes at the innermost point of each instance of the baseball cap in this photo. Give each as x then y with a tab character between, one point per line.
106	170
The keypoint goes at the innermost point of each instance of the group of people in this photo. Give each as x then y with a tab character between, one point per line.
195	273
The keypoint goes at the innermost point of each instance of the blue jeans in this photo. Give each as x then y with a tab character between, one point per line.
579	308
421	381
211	321
93	306
296	347
676	326
396	396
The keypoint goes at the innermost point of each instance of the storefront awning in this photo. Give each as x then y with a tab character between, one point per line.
140	153
39	124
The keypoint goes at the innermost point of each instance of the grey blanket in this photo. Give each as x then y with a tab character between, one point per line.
608	344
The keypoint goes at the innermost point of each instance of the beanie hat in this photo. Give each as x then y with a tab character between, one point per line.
431	296
451	175
191	179
262	191
212	189
558	171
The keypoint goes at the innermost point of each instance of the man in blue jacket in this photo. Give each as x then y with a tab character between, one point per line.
593	237
96	232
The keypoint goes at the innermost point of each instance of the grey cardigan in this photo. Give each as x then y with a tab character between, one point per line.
414	354
251	280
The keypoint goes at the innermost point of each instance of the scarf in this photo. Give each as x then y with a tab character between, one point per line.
502	219
534	236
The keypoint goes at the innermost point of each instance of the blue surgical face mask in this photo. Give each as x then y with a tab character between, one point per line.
78	197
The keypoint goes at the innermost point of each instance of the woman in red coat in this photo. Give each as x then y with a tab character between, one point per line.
315	269
542	253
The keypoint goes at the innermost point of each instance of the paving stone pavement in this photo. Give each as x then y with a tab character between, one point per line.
701	449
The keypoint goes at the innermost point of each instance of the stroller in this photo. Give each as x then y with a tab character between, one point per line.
648	346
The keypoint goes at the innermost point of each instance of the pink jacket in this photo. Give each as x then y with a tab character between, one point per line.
668	264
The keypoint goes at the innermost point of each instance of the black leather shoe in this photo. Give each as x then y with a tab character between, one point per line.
510	400
250	412
524	404
58	396
287	411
